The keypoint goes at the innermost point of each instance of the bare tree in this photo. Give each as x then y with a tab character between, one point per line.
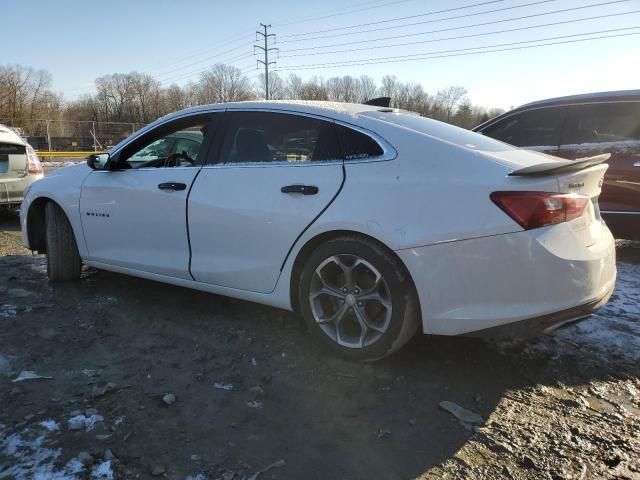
448	98
366	88
277	87
389	87
293	85
223	83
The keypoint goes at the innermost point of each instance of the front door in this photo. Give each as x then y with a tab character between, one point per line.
134	216
275	174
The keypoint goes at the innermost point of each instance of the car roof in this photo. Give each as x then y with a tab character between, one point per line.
9	136
337	110
596	97
619	95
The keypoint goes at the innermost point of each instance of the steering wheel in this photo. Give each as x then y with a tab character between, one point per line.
174	159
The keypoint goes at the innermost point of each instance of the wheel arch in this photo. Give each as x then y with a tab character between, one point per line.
312	243
36	224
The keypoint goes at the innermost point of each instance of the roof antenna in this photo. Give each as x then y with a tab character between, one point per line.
379	102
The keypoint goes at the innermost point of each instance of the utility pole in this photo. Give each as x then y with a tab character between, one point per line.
266	49
46	100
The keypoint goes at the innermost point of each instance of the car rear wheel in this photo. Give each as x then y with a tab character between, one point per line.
63	261
358	298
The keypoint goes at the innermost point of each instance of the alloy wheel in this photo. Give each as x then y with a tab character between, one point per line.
350	301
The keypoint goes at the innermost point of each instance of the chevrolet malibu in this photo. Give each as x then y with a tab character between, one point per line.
369	222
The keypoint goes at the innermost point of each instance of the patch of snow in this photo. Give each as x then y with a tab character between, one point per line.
88	423
118	420
254	404
27	457
50	425
198	476
103	471
223	386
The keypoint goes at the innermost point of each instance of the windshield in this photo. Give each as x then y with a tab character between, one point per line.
443	131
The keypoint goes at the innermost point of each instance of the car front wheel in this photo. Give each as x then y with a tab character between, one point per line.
358	298
63	261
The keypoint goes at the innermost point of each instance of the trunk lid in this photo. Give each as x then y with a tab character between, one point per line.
584	176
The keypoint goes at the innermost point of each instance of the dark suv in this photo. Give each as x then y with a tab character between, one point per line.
582	126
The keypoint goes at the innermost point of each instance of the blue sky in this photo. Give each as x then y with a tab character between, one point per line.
79	40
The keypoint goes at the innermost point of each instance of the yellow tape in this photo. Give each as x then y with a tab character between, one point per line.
41	153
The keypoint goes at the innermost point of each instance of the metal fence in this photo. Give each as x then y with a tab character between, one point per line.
47	135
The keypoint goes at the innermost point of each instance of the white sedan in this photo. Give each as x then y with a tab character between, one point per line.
369	222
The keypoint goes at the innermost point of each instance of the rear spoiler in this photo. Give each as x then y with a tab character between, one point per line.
379	102
562	166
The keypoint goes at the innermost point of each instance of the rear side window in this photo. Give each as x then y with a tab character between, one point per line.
539	127
256	137
602	123
356	145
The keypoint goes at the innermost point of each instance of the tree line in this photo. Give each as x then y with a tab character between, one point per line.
26	97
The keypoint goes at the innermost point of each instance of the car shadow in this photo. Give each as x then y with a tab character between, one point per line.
253	386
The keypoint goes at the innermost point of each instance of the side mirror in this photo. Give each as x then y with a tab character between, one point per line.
98	161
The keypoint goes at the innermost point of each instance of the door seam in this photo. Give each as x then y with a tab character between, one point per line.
344	176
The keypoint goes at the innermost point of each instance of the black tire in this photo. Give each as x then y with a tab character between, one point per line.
404	303
63	261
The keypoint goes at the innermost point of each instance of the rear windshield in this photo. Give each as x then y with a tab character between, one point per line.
7	149
443	131
12	149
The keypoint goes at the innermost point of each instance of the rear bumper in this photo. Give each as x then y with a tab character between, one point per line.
532	327
545	275
12	189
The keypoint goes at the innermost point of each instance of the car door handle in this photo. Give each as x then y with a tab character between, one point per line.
172	186
303	189
636	164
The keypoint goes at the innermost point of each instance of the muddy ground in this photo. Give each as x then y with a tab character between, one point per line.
252	389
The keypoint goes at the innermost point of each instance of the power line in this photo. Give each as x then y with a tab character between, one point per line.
450	53
200	51
160	75
341	11
195	72
449	29
459	37
582	7
393	19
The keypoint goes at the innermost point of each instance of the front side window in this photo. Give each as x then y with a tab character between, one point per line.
176	145
602	123
538	127
254	137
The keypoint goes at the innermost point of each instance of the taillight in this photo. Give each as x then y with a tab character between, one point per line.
34	163
537	209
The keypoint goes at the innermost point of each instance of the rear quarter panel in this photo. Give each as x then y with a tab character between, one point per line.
432	192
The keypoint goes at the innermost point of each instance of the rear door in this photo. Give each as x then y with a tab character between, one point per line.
274	174
608	127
